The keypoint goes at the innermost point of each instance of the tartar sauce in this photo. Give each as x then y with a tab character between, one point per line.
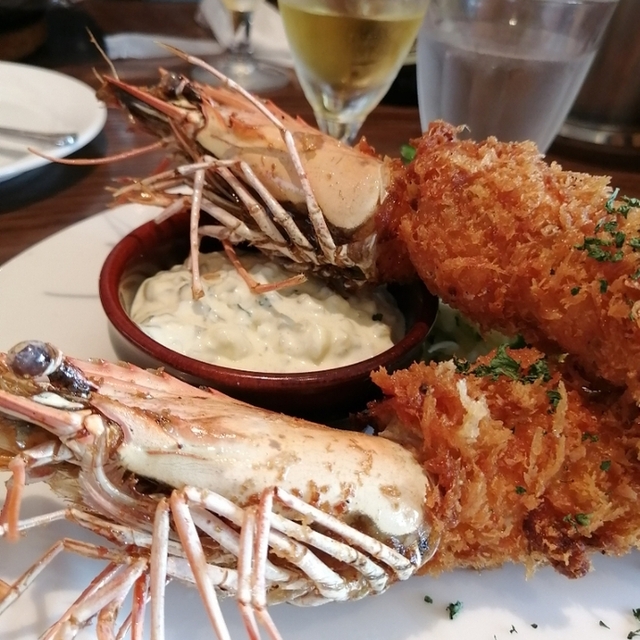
306	327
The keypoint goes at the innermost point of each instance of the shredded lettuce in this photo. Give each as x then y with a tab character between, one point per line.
454	336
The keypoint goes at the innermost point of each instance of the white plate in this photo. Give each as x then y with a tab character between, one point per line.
50	292
43	100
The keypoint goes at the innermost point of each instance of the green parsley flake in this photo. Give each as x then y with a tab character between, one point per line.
592	437
604	285
575	291
577	520
610	203
636	613
599	249
619	238
554	398
502	364
534	625
461	365
605	465
428	599
513	629
407	153
520	490
538	370
454	609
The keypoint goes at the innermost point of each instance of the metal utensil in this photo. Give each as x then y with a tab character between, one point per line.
55	139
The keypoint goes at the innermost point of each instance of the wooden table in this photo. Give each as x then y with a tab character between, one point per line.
37	204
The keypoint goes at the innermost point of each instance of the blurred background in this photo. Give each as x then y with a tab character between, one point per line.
605	116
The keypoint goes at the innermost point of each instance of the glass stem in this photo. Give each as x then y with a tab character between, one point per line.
346	132
241	45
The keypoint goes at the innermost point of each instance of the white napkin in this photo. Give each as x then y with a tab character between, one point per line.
267	32
267	35
142	45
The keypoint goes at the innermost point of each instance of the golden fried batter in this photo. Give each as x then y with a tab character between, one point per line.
525	248
528	468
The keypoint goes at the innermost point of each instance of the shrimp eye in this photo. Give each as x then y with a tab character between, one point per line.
33	358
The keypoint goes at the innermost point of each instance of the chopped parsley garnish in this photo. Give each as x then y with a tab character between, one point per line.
454	609
428	599
575	291
619	238
513	629
602	624
591	437
534	625
609	249
554	398
520	490
407	153
599	250
462	366
610	203
605	465
604	285
502	364
538	370
636	613
577	520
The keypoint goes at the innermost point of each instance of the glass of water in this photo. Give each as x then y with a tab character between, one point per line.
347	53
507	68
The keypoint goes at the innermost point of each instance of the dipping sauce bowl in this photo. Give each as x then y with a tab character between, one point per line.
321	395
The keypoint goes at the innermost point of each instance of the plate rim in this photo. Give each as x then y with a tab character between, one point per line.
96	124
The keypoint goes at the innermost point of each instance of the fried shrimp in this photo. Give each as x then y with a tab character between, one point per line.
524	247
530	468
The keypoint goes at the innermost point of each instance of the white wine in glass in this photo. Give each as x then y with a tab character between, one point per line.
347	54
238	61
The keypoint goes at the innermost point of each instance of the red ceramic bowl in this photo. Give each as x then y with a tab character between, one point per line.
322	395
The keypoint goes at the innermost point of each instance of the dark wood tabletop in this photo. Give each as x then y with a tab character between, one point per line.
43	201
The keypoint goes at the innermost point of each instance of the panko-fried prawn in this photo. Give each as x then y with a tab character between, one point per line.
523	247
531	466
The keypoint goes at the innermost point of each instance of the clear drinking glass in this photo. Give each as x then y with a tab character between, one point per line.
507	68
347	53
238	61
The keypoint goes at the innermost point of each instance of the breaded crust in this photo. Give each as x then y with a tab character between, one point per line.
526	248
528	470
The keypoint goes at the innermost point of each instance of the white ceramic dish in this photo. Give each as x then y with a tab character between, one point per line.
50	293
42	100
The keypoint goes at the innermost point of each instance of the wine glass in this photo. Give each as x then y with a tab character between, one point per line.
347	53
237	61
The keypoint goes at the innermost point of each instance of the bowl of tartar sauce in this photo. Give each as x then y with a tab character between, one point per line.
306	350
